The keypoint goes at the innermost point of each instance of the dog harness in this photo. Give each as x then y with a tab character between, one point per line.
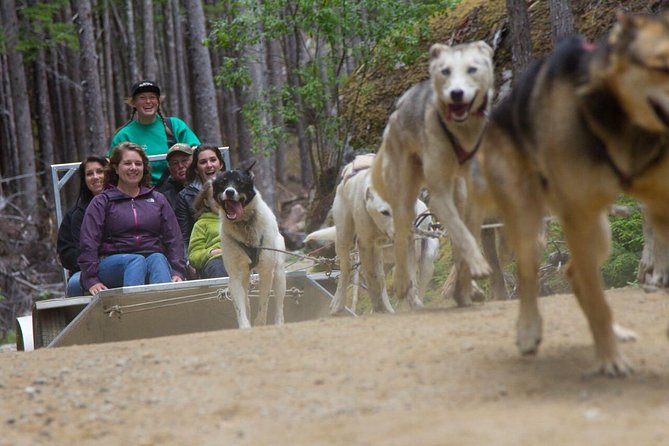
624	179
252	251
462	155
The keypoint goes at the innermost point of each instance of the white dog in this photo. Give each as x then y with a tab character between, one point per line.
359	213
247	226
434	131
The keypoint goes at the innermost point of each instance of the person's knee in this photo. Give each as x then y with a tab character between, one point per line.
74	287
159	269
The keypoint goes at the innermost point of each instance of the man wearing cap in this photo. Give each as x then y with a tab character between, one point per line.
149	129
178	158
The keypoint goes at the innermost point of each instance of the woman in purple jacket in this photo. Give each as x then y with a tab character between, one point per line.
130	235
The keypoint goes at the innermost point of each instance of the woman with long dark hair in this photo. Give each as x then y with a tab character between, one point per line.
91	183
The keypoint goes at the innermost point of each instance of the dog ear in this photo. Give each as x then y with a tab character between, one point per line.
368	193
485	48
248	169
437	49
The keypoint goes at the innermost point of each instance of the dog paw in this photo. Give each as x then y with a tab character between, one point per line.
624	334
615	367
336	306
415	303
244	324
529	338
388	309
479	269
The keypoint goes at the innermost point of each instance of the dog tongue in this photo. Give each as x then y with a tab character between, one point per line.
233	209
458	111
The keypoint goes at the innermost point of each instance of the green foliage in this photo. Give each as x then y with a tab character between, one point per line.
628	231
626	246
44	295
620	269
369	31
45	28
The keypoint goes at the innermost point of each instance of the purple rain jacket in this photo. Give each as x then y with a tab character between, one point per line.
116	223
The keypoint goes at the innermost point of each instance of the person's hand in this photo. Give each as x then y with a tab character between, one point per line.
95	289
176	279
215	252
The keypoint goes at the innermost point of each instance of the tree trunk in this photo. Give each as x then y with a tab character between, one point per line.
562	19
171	58
181	68
521	44
19	96
44	121
206	113
132	39
9	158
244	142
256	62
91	80
149	53
654	264
276	81
292	57
108	68
75	124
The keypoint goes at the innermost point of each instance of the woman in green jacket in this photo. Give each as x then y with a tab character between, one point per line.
204	248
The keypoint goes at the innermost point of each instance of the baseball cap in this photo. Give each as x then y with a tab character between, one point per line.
145	86
181	148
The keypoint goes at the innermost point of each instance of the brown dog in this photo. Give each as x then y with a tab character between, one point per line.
583	125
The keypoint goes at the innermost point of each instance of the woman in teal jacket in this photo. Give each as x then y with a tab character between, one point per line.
149	129
204	249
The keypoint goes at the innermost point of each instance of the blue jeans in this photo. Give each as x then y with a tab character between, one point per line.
119	270
74	287
214	268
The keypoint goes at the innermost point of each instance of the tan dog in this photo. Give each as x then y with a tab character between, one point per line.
583	125
427	142
362	218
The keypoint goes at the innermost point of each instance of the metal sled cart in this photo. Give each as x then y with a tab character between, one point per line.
148	311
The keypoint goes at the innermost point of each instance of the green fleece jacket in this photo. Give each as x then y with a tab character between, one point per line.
204	237
153	139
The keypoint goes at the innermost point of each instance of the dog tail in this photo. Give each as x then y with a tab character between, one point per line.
328	234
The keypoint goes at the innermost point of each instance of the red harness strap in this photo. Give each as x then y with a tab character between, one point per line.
462	155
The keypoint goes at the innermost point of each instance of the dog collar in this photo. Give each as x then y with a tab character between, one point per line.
462	155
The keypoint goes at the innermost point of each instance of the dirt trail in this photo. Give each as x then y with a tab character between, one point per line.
438	377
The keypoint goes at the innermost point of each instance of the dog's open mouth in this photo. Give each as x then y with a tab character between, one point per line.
233	209
458	112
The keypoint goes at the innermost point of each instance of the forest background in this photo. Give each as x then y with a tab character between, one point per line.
296	85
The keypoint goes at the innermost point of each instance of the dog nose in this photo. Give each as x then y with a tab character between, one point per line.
229	193
457	95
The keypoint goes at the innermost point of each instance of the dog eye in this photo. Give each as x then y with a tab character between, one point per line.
385	212
471	70
446	71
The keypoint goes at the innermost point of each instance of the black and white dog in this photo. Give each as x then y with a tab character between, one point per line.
247	226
